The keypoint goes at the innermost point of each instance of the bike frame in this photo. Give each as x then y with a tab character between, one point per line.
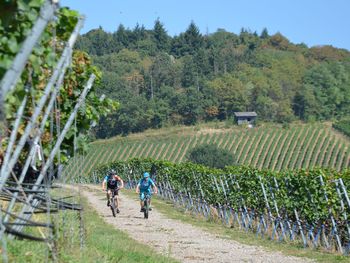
112	201
146	202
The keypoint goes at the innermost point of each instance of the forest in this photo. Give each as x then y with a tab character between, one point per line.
162	80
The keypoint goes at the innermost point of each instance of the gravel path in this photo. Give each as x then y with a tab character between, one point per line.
176	239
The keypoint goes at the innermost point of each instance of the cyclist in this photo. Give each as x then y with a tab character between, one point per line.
113	180
144	187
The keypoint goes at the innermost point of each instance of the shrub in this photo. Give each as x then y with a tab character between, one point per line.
343	126
211	155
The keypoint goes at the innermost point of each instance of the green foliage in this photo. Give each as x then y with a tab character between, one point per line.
39	68
299	189
324	92
268	74
231	93
162	39
343	126
211	155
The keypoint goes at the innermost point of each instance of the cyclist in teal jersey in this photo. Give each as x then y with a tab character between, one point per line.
144	187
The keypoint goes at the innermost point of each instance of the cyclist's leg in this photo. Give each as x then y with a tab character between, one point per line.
108	196
142	196
149	201
116	198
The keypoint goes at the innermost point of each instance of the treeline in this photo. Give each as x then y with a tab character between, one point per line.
163	80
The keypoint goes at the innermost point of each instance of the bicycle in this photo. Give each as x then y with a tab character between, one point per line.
112	203
146	204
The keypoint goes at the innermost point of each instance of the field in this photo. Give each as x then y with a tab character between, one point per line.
265	147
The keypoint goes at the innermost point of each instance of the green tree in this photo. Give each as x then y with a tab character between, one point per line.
163	71
139	33
187	43
193	37
264	33
212	156
189	105
160	36
96	42
231	93
279	41
208	77
328	84
190	73
121	37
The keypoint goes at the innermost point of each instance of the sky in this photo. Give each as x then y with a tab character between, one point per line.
313	22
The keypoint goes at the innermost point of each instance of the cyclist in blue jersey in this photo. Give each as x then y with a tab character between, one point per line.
114	183
144	187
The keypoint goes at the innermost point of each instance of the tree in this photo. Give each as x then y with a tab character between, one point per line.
193	37
231	93
134	116
264	33
279	41
121	37
201	60
189	72
212	156
96	42
305	105
189	105
163	71
139	33
328	53
329	83
187	43
160	36
198	77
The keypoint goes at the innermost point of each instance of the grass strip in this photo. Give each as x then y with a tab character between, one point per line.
103	243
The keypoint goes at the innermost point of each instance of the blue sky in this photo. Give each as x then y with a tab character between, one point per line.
313	22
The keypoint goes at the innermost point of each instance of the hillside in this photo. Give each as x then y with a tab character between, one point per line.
265	147
162	80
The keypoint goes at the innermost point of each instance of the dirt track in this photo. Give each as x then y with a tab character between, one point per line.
176	239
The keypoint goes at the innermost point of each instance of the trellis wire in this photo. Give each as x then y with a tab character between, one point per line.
280	228
64	60
61	67
35	198
29	209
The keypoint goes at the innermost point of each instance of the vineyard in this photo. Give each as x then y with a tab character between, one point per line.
309	208
267	147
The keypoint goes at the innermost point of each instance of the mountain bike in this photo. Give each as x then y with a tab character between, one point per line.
146	204
112	202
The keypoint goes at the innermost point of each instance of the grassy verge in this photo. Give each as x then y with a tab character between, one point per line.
182	130
290	249
102	243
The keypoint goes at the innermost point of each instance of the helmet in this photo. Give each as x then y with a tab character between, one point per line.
145	175
111	172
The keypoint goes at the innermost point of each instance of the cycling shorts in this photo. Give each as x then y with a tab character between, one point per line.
143	194
115	190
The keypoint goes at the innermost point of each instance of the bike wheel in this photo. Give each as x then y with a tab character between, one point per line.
113	207
146	208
